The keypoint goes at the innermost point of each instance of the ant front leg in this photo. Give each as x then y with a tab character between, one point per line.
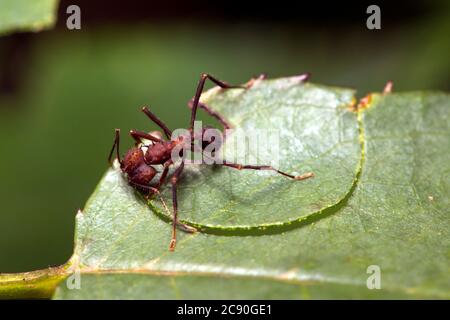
116	145
163	176
174	181
153	191
240	167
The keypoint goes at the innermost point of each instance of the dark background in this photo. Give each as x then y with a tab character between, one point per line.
63	92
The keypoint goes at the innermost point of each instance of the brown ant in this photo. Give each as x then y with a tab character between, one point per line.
138	165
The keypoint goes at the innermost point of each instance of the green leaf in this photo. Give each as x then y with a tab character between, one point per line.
25	15
386	173
393	216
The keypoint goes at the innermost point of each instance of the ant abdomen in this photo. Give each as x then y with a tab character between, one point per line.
143	174
134	165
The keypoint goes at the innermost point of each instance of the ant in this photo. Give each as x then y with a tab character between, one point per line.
138	165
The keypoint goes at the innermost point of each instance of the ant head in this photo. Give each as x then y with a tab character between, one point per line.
132	160
146	143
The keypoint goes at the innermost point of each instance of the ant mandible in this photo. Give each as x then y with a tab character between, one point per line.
138	165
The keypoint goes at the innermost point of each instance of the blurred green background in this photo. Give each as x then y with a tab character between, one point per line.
63	92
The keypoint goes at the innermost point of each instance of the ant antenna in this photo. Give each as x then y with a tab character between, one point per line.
158	121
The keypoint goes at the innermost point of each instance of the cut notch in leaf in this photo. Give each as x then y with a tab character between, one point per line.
316	133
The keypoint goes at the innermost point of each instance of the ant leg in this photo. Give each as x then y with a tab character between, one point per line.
240	167
225	124
153	190
158	121
215	114
138	135
199	91
252	81
163	176
174	182
115	146
388	87
223	85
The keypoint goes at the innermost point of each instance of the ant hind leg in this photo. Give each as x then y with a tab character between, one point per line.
216	115
251	167
198	92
